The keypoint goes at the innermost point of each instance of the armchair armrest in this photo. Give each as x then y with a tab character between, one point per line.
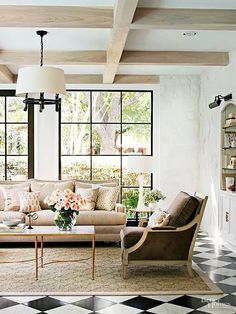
119	208
164	228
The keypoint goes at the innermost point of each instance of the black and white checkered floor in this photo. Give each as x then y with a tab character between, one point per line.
219	264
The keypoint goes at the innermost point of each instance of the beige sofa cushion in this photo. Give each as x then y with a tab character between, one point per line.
100	218
5	215
4	183
107	197
93	183
11	197
90	196
47	187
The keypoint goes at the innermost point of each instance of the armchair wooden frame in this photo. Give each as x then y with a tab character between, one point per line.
126	260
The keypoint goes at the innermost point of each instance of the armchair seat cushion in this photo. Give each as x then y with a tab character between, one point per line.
130	236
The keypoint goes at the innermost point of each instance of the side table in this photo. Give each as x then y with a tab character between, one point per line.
148	211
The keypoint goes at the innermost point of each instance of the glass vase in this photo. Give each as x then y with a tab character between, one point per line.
65	220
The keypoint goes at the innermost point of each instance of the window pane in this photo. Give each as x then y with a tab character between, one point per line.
75	167
136	138
136	107
2	139
75	107
106	139
106	107
105	168
2	168
15	112
17	139
2	109
16	165
75	139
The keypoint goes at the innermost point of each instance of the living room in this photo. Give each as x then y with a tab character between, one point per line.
117	156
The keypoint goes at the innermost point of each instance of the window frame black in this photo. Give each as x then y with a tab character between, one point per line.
90	123
30	144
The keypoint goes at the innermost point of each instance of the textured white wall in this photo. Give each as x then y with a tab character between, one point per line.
219	80
178	135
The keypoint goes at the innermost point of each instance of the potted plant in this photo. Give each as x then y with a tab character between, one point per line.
152	197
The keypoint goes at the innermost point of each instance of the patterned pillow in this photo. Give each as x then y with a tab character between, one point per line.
107	197
158	219
29	201
90	196
10	194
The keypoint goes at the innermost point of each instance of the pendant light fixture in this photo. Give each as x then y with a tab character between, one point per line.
41	85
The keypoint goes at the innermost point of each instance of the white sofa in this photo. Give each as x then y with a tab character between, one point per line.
108	224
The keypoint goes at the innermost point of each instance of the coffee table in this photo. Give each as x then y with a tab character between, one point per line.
39	232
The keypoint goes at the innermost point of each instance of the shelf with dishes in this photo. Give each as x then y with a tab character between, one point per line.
228	148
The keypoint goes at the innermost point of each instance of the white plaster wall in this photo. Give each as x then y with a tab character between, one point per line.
178	135
215	81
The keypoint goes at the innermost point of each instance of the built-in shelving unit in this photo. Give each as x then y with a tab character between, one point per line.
228	146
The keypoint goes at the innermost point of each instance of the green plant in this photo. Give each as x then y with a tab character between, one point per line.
153	196
130	198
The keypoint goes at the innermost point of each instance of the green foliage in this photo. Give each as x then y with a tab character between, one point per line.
130	198
153	196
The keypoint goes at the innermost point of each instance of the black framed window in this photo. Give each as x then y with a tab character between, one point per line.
98	130
16	137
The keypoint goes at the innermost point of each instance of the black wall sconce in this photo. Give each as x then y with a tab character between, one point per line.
218	100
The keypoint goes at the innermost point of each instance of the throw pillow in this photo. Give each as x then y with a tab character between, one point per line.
29	201
90	196
11	197
46	188
158	219
107	197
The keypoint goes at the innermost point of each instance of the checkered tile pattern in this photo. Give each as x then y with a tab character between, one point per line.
218	263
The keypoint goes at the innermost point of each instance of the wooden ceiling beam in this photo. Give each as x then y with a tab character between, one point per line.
119	79
175	58
98	79
53	57
190	19
55	16
6	76
123	15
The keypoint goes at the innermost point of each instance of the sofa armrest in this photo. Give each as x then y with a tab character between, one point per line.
119	208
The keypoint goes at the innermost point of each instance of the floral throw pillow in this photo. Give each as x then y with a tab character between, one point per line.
90	197
29	201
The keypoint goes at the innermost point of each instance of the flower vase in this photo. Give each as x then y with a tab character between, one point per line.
65	220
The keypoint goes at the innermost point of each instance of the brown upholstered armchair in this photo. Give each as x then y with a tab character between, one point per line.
169	245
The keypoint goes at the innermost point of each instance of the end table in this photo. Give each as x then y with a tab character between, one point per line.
148	211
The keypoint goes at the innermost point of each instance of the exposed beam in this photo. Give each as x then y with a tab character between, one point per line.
97	79
119	79
195	19
55	16
83	79
175	58
137	79
123	15
53	57
6	76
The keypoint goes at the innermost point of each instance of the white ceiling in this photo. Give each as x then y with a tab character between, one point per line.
97	39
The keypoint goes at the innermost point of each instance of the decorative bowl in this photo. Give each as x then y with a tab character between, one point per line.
11	222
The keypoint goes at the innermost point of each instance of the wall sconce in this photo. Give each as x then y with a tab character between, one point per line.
218	100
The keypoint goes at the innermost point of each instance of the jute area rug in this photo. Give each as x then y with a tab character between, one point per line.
75	277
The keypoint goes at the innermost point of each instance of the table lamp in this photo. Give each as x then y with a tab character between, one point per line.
140	165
